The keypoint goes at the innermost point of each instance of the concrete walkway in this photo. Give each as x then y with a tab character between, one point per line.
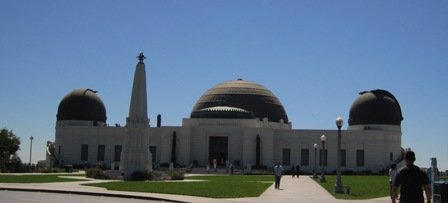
303	189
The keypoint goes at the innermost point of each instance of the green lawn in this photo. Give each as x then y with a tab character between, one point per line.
362	187
212	186
34	179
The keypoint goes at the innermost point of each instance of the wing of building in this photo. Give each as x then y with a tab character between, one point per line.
239	122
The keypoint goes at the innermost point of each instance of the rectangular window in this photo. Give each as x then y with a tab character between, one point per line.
286	157
324	156
343	158
305	157
101	152
59	150
360	157
153	150
117	153
391	156
84	152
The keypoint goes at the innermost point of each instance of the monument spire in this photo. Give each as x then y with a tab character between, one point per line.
141	57
138	112
135	155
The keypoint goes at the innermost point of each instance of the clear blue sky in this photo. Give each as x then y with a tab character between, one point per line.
316	56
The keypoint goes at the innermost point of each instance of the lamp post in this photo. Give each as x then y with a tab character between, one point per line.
31	148
323	138
315	156
338	188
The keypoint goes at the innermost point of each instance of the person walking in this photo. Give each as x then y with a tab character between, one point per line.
278	171
411	179
392	174
293	171
297	170
215	163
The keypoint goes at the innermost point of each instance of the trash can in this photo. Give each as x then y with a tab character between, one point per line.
441	192
68	168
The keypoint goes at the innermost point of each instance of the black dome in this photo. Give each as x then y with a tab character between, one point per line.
375	107
82	104
239	99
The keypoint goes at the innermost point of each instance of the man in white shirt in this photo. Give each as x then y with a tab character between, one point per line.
278	171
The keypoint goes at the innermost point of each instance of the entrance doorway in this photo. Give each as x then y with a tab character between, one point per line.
218	149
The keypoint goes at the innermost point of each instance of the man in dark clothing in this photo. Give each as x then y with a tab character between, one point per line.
411	179
298	170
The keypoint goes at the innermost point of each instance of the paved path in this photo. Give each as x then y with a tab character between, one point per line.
303	189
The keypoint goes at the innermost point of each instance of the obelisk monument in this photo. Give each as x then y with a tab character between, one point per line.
135	155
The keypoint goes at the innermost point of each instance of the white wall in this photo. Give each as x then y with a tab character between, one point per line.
193	143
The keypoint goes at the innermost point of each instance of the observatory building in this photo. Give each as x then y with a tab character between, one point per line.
239	122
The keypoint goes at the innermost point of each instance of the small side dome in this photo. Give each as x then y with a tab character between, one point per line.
82	104
375	107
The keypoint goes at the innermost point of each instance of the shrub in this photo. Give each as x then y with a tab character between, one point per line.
365	172
176	174
348	172
156	175
260	167
53	170
101	165
96	173
139	176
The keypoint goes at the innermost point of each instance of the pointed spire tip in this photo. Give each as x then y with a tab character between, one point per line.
141	57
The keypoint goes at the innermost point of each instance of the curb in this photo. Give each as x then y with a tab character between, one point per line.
90	193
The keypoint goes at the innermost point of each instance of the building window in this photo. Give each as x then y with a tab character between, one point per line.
343	158
117	153
360	157
101	151
59	150
391	156
305	157
153	150
84	152
324	156
286	156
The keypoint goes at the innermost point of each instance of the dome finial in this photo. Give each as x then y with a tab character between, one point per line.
141	57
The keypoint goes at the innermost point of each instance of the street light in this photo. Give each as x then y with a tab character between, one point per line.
323	138
338	188
31	147
315	155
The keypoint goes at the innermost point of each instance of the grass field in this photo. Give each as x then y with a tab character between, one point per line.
34	179
210	186
362	187
238	186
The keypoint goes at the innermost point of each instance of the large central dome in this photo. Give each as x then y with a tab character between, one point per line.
239	99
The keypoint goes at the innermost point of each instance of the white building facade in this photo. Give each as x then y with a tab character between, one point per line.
237	122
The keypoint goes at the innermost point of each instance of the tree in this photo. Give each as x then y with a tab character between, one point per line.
9	145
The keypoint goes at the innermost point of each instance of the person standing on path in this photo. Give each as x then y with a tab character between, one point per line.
297	170
411	179
278	171
214	165
392	174
293	171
